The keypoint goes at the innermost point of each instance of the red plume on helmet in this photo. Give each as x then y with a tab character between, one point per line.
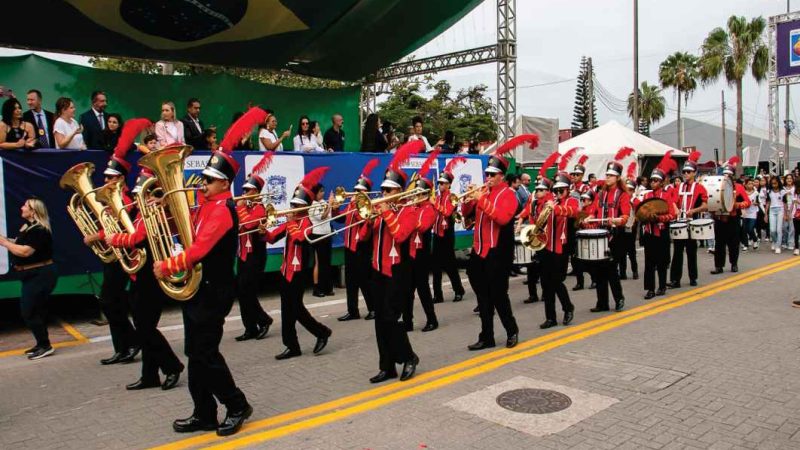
667	164
453	163
623	153
515	142
734	161
314	177
562	163
404	153
548	163
695	156
241	128
582	160
369	167
426	166
130	131
631	174
263	164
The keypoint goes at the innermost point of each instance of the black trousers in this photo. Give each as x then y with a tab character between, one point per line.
115	305
357	270
390	294
628	244
581	267
489	279
37	285
444	260
554	272
656	259
607	275
533	272
209	375
420	268
148	302
322	253
726	234
676	269
248	282
293	310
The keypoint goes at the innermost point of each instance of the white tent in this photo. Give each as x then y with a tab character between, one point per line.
602	143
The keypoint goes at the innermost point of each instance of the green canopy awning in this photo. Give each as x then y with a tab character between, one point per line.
338	39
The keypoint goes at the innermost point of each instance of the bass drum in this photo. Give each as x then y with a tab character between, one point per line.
720	193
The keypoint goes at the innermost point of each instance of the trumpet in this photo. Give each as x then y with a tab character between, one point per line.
340	194
251	197
270	220
455	199
365	206
115	219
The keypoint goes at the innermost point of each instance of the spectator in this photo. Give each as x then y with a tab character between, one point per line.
749	216
474	147
168	130
210	139
795	199
415	132
776	211
319	212
149	144
372	139
305	141
94	121
788	224
448	145
67	132
41	120
465	147
524	190
268	139
193	129
15	133
317	132
392	140
334	137
112	132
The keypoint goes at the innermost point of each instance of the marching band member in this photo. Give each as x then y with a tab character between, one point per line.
216	238
358	251
251	258
444	241
391	228
576	175
612	207
726	226
580	191
292	286
692	199
655	234
628	235
493	247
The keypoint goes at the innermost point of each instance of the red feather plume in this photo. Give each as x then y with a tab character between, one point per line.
370	166
733	162
130	131
623	153
426	166
694	156
241	128
263	164
453	163
582	160
548	163
404	153
516	142
667	164
562	163
631	174
314	177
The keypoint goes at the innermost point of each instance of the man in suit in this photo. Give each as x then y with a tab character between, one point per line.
42	120
94	121
192	125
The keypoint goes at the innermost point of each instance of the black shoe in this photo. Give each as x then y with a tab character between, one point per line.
130	355
233	421
480	345
42	352
620	304
370	316
596	309
246	336
458	297
192	424
438	300
476	310
262	332
734	268
318	294
330	293
649	294
623	276
532	299
512	340
568	316
114	359
717	271
288	353
170	381
409	368
661	291
674	285
348	316
33	349
548	324
139	385
593	285
525	282
320	344
635	275
692	282
430	326
578	287
383	376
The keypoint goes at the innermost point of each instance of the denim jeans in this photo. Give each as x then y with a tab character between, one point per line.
776	226
748	231
788	234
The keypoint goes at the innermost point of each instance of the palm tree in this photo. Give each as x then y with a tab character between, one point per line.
651	107
733	52
679	71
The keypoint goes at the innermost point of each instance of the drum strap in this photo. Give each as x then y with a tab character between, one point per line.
686	195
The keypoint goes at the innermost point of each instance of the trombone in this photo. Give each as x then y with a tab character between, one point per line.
270	220
340	194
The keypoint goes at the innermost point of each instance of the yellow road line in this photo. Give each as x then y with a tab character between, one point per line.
314	422
74	332
428	376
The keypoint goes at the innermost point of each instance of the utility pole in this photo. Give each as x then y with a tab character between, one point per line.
724	152
636	65
590	77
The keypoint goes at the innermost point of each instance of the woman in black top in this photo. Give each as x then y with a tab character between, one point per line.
112	132
32	257
14	132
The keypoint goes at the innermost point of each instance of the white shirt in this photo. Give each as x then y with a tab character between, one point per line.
65	129
307	144
788	194
315	215
271	137
775	199
751	212
414	137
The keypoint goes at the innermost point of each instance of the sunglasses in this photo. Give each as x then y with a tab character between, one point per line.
386	190
208	180
540	190
687	171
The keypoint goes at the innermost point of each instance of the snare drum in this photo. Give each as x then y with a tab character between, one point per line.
593	245
679	231
701	229
720	193
522	254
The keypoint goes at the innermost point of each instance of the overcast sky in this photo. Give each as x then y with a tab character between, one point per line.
552	37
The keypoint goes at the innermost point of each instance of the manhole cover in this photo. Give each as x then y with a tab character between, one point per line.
533	401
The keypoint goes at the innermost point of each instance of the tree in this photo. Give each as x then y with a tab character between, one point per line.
680	72
585	113
733	52
651	107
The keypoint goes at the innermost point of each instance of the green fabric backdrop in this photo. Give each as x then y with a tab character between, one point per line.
136	95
